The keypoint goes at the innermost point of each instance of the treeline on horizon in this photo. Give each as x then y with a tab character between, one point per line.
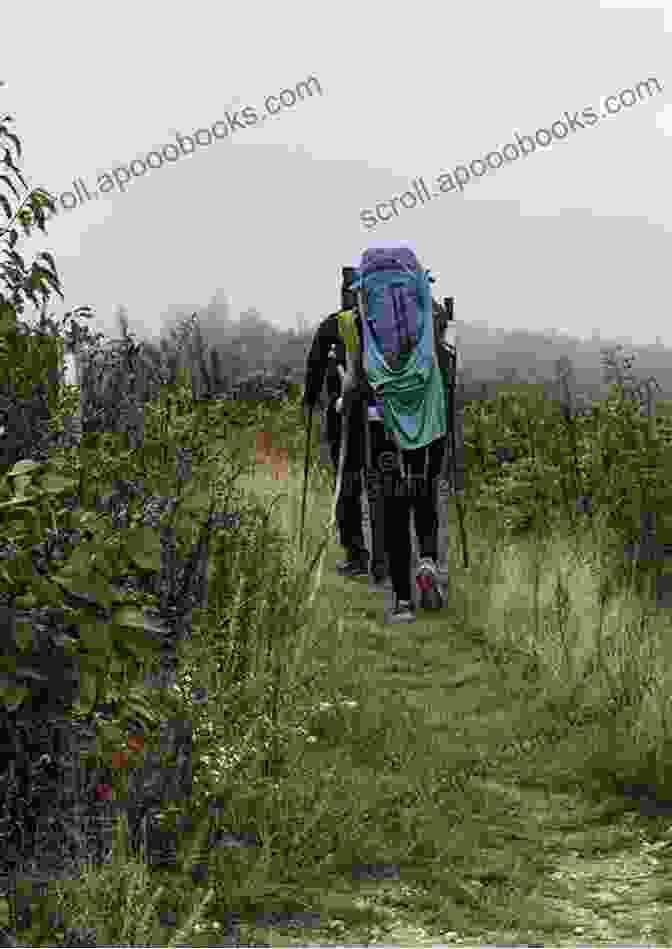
492	357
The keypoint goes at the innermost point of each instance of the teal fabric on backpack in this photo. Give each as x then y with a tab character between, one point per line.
414	406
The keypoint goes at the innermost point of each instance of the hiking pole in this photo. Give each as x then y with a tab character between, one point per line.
305	478
452	446
339	401
337	494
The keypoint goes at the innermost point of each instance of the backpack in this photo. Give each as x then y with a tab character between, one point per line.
398	346
389	279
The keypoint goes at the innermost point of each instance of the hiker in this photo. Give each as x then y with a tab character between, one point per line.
327	355
394	348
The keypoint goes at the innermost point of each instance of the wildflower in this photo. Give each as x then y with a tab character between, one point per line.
119	760
136	743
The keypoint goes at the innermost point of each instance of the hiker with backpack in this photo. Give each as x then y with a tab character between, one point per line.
391	348
327	357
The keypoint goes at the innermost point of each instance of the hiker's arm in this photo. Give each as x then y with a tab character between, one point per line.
351	378
316	366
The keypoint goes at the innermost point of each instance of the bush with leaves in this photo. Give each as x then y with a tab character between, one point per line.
533	465
58	557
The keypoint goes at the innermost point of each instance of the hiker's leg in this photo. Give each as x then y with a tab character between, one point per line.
425	467
334	435
379	558
334	440
344	502
349	505
396	512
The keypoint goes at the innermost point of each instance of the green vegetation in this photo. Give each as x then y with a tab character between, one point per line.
421	784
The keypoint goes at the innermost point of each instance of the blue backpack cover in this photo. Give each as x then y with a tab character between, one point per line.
398	345
389	278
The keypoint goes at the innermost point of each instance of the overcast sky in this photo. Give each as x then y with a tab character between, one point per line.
574	236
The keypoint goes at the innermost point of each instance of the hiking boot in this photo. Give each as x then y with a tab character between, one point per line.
353	567
427	582
402	612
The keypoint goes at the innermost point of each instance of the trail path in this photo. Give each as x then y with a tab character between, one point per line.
539	856
570	867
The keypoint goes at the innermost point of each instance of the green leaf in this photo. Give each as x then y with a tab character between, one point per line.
137	701
94	663
23	635
142	545
133	709
23	467
27	600
88	690
12	696
130	650
95	637
47	593
22	482
111	734
91	586
109	564
134	642
135	618
54	483
78	562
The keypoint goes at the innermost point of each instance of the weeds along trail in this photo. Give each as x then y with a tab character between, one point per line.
524	848
453	781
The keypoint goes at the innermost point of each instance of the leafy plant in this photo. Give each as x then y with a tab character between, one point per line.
56	556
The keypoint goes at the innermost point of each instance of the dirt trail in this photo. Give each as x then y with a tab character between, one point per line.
571	866
600	869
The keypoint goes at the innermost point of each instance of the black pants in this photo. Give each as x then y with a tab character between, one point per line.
349	502
392	493
415	488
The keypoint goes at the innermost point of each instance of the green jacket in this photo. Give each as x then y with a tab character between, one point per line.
415	394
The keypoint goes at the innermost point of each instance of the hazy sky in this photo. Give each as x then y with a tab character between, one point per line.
574	236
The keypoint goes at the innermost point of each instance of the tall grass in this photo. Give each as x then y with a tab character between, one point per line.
302	763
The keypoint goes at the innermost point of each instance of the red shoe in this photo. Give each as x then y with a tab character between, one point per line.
427	582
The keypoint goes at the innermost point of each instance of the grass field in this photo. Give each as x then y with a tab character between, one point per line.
462	780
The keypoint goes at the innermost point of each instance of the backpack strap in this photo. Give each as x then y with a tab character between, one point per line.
347	330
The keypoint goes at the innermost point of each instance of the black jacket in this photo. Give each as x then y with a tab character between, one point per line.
319	364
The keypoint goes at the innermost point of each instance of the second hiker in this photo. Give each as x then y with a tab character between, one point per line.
391	344
327	356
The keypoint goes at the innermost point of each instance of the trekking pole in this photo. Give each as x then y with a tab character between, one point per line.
372	503
305	479
337	494
341	375
448	304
